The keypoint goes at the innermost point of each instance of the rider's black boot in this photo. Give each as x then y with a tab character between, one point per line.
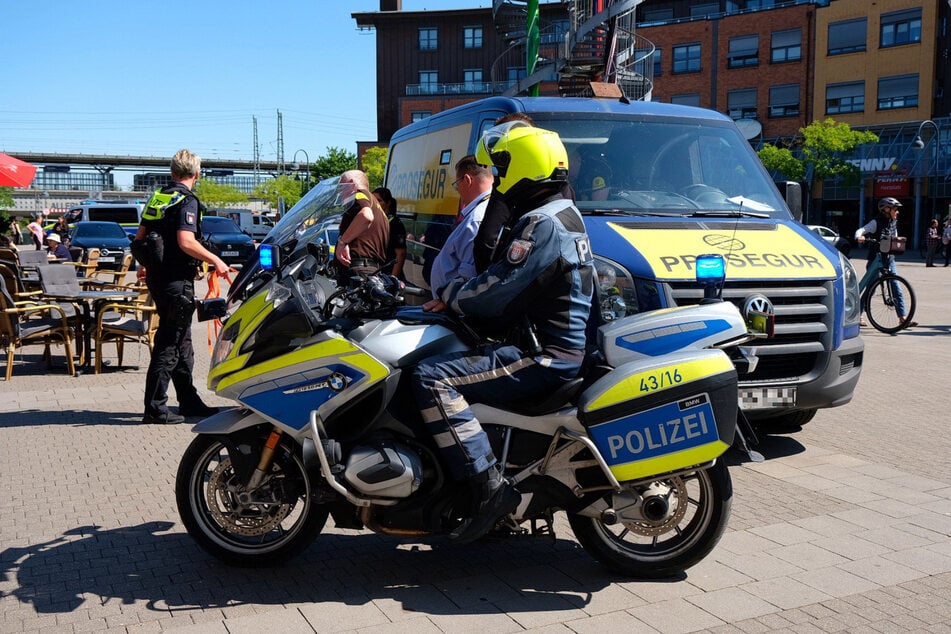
493	498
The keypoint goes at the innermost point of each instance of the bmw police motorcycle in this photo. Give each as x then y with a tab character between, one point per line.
326	426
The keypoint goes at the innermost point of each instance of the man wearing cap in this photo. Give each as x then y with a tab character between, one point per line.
57	249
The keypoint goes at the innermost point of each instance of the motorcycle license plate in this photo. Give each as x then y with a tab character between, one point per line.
666	438
228	254
108	258
760	397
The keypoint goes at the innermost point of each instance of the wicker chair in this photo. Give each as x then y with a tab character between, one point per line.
136	321
23	323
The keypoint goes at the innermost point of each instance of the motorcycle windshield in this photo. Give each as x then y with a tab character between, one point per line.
318	209
321	205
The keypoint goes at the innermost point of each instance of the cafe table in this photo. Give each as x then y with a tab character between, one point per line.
88	300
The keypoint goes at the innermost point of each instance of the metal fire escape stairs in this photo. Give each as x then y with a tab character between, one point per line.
599	45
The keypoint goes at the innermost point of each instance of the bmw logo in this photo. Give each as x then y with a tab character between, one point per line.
337	381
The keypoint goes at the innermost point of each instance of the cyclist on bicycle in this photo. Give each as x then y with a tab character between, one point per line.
883	226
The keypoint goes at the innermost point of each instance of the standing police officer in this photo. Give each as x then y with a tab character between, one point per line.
543	285
167	239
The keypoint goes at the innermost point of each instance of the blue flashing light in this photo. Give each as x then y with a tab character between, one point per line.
266	256
711	269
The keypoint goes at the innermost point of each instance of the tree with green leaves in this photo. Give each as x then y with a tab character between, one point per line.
284	186
374	164
215	194
824	148
6	197
335	162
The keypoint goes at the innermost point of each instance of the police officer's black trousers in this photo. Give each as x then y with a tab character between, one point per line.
173	356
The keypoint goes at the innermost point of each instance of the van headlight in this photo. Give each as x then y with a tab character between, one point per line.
853	300
616	292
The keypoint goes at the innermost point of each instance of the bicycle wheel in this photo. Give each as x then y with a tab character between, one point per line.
882	300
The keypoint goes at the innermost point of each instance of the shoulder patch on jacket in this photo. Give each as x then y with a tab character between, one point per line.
518	251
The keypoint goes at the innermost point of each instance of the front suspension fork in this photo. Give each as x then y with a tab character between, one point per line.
267	457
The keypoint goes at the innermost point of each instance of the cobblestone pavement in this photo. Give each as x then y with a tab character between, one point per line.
845	527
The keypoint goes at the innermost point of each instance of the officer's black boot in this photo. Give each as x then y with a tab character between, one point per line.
493	498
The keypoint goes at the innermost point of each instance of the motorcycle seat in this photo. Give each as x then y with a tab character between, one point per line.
552	403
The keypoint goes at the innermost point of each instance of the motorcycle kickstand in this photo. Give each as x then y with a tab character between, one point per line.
744	429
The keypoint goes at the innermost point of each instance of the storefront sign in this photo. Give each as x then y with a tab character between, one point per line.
895	187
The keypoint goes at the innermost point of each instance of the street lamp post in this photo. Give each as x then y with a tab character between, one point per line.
918	144
296	166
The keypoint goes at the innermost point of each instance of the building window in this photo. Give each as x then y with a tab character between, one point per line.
901	27
705	9
419	115
687	58
847	36
741	104
472	80
657	62
898	92
786	46
515	73
688	99
658	15
744	51
428	39
845	97
784	101
472	36
428	82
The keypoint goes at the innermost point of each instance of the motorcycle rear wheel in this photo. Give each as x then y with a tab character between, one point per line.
664	549
248	533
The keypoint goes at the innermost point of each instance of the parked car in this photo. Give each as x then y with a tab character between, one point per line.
225	239
844	245
109	237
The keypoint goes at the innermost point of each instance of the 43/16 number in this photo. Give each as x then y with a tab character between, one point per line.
661	380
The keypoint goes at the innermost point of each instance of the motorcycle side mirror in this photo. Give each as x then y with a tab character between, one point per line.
209	309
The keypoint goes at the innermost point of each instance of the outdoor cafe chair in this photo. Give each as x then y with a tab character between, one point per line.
114	277
23	323
135	321
15	285
88	264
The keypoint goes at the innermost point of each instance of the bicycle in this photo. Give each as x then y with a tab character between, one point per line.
885	294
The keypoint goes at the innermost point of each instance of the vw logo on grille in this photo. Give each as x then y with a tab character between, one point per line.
757	303
723	242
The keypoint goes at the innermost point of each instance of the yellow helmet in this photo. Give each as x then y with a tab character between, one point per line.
523	154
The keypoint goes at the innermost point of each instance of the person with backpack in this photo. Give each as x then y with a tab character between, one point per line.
166	243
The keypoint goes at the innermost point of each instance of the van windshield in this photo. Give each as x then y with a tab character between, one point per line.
667	166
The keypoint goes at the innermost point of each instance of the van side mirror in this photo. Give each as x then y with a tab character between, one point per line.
792	193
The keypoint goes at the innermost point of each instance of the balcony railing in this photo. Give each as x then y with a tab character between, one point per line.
464	88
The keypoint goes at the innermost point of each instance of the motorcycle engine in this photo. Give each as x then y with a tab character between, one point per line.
384	470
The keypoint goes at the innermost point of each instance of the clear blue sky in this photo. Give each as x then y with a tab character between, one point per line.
142	77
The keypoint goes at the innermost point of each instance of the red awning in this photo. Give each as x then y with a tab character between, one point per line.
14	172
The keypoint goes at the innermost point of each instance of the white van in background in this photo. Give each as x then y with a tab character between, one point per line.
256	225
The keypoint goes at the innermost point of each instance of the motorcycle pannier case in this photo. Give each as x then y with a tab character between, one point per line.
664	415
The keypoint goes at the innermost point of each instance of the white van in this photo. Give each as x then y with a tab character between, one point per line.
256	225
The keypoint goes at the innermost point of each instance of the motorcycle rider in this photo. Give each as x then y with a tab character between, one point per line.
543	285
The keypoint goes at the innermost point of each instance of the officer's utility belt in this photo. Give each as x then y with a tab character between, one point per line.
365	262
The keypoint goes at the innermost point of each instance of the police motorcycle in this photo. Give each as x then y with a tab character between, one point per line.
325	423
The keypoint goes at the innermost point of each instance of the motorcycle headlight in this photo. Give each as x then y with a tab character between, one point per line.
225	343
616	292
853	300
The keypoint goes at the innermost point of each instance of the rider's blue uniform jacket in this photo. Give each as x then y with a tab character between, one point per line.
547	273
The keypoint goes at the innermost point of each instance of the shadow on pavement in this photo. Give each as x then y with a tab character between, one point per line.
171	574
770	446
75	417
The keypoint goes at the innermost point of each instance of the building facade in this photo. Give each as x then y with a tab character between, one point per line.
774	66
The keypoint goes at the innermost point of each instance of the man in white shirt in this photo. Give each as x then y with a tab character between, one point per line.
474	184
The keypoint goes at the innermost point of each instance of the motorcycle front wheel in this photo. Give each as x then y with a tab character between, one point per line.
698	509
258	528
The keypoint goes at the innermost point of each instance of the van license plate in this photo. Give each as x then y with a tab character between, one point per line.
107	259
229	254
760	397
